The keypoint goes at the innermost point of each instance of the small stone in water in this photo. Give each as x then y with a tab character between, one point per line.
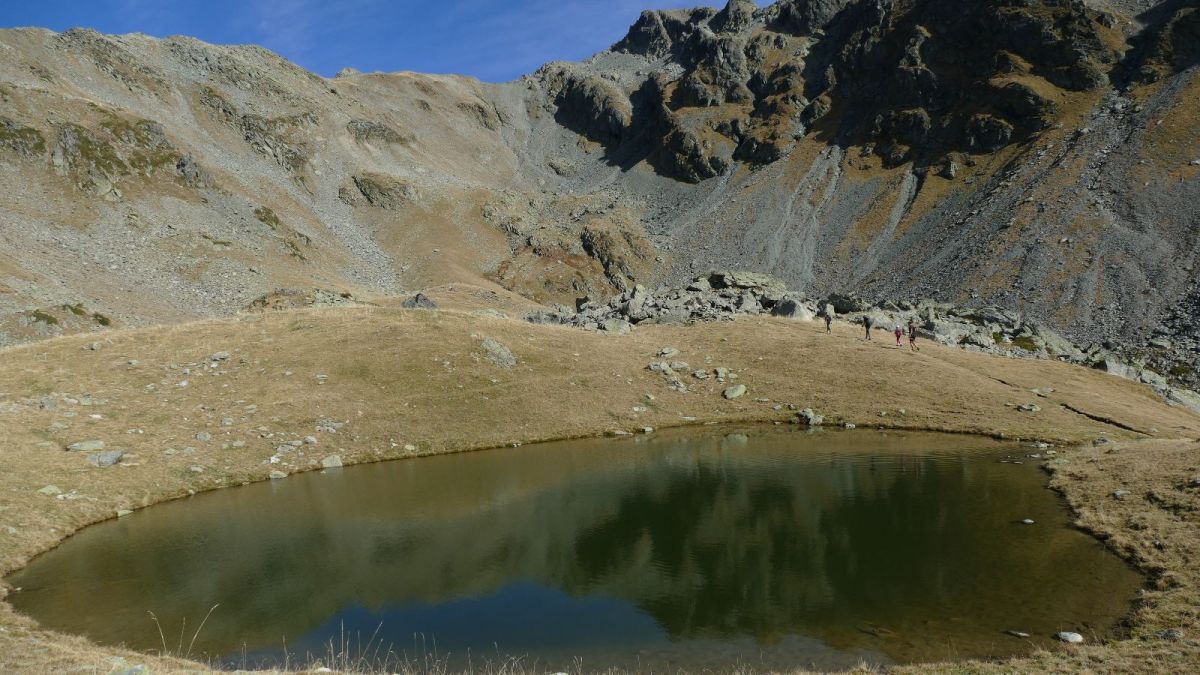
1069	637
1027	521
1017	633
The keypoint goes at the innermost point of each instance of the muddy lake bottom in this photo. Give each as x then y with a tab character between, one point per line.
716	549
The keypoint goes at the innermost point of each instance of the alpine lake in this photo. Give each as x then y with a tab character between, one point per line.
714	548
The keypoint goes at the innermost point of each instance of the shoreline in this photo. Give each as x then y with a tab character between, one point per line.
629	355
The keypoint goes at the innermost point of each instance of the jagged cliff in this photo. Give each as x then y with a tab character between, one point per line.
1039	155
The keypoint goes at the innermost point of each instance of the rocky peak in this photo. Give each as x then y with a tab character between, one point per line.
804	17
736	17
911	80
658	33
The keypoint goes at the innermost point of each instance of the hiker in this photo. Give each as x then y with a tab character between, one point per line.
899	332
828	321
867	322
912	336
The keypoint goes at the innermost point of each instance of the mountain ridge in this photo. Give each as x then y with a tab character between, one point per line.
841	145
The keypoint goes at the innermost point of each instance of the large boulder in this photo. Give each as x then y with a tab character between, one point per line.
419	301
845	303
498	353
1115	366
791	308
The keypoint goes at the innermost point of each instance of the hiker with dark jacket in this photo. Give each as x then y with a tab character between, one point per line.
868	323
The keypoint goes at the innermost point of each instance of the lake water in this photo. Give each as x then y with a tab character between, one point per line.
712	548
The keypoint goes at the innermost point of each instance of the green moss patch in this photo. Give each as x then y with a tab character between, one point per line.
268	217
42	317
24	141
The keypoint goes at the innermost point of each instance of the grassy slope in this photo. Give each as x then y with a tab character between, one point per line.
420	379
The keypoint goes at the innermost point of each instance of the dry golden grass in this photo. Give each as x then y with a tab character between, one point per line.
411	383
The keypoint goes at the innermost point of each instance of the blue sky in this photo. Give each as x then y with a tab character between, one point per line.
492	40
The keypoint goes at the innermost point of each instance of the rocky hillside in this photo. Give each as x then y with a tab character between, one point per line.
1042	156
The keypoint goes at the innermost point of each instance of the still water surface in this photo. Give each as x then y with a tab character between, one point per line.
713	548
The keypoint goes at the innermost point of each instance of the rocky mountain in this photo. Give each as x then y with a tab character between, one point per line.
1042	156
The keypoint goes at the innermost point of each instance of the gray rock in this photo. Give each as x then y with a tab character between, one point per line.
1172	634
419	301
204	437
1069	637
1028	521
790	308
50	490
616	326
809	418
1185	398
86	446
105	459
846	303
277	475
1120	494
1147	376
1017	633
332	462
544	318
498	353
1030	408
735	391
219	356
1114	366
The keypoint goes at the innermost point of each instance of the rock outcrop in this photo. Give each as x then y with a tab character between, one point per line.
916	81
